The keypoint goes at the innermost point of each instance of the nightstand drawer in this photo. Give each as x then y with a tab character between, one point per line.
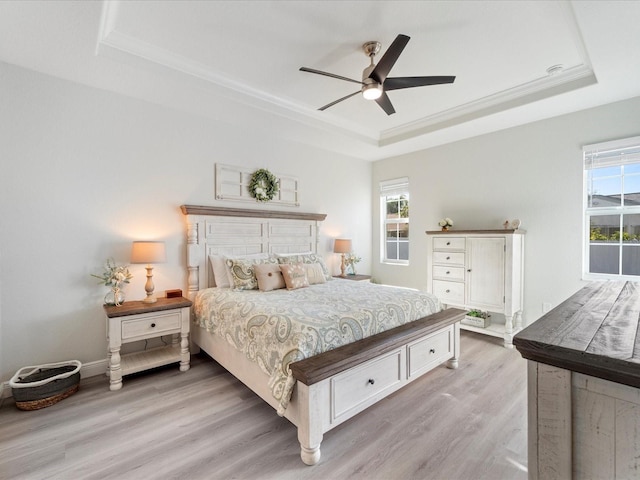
152	324
449	292
448	273
449	258
449	243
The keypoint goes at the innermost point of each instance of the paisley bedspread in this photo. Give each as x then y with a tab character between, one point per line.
279	327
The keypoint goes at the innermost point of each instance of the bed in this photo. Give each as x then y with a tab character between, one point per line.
317	364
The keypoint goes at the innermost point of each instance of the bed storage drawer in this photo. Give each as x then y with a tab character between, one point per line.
429	352
357	388
151	325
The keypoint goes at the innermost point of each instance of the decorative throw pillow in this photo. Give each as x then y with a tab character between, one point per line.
315	274
295	275
222	273
306	258
244	277
269	277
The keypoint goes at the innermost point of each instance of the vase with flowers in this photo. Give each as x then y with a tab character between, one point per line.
114	276
350	261
446	224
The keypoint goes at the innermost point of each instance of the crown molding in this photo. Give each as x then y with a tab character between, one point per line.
539	89
120	46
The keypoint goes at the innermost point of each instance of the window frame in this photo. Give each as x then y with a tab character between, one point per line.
617	153
392	188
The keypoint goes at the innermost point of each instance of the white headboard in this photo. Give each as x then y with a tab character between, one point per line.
235	231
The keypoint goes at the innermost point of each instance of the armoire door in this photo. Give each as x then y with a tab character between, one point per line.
485	273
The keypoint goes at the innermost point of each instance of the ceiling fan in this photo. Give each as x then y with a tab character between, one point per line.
375	83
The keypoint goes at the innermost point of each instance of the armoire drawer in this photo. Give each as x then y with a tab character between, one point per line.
449	243
444	272
449	292
448	258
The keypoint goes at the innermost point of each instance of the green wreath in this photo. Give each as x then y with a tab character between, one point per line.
263	185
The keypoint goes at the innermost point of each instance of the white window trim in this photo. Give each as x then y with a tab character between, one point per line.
616	152
396	186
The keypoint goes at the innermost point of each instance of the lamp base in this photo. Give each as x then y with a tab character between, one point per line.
149	287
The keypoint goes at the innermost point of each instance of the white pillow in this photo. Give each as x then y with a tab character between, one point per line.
314	273
222	273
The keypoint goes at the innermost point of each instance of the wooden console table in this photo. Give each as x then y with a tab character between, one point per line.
584	385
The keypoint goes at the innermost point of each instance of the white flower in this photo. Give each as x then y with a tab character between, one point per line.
446	222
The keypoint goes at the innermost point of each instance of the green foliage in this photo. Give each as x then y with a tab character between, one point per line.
477	313
263	185
596	235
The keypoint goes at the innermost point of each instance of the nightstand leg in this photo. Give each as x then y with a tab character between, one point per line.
115	370
184	352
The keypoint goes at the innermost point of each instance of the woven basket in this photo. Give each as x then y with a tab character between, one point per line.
41	386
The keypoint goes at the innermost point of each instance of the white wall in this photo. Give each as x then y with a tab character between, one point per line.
84	172
533	173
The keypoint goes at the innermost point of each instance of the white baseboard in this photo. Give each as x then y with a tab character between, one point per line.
91	369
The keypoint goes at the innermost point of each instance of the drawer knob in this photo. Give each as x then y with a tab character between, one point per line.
448	258
433	350
448	243
371	381
153	325
448	291
469	270
448	272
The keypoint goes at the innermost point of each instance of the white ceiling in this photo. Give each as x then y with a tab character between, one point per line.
238	61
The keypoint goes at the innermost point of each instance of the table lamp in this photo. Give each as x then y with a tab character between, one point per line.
342	245
148	252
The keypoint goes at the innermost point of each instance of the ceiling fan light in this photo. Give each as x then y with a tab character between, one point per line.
372	91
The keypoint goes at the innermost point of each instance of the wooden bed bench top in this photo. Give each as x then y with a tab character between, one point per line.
594	332
324	365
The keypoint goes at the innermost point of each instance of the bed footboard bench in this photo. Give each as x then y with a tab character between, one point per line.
338	384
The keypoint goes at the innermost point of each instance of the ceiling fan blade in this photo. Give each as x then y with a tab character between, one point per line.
332	75
385	103
388	60
396	83
339	100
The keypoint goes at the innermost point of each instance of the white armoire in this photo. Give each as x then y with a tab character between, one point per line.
480	269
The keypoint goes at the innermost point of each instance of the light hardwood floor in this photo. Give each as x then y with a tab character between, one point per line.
466	424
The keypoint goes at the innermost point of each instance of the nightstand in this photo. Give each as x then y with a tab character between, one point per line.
133	321
357	278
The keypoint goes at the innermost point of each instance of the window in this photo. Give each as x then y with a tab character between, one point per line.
612	209
394	206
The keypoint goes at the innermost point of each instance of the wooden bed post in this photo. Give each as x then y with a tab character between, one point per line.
309	433
193	259
453	362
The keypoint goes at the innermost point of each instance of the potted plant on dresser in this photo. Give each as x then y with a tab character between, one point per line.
477	318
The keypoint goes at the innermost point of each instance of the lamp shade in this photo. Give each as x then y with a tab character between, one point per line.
148	252
342	245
